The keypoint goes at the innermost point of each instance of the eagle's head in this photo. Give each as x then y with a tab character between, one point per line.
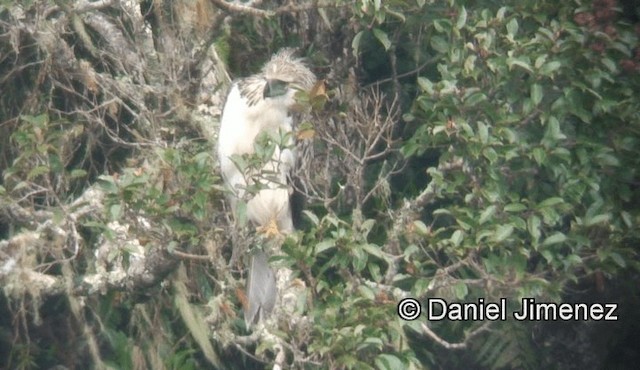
284	76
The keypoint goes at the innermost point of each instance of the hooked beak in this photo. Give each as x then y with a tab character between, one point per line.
275	88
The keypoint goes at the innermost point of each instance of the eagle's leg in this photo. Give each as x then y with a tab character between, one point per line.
270	230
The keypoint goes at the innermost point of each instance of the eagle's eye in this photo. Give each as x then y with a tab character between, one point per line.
275	88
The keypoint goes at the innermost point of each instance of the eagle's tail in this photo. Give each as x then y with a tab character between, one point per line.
261	289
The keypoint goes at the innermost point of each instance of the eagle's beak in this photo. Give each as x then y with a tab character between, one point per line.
275	88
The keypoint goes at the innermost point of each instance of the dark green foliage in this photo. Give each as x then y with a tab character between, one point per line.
535	118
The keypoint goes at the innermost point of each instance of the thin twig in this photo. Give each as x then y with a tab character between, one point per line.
461	345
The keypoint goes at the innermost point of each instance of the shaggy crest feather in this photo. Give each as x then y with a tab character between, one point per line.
283	66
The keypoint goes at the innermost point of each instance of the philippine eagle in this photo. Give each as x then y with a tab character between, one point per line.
258	104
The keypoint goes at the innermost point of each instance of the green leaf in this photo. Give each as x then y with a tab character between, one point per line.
442	25
420	287
37	171
373	250
617	258
503	232
475	98
536	94
469	63
512	27
607	159
442	211
355	44
38	120
574	259
550	202
553	133
490	154
20	185
366	292
359	260
457	237
325	245
312	216
598	219
55	164
193	317
386	361
420	227
519	63
462	18
241	213
366	226
439	44
487	214
548	256
483	132
78	173
382	37
549	215
610	64
410	148
515	207
398	15
547	33
460	290
425	85
540	61
115	211
533	225
550	67
556	238
626	216
500	13
539	155
374	342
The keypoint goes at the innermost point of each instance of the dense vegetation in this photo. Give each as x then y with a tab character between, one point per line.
461	150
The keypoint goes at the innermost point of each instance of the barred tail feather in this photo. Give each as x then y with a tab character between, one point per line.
261	289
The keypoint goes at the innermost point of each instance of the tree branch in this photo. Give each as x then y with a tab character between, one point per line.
461	345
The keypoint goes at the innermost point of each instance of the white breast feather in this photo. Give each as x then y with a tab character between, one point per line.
240	125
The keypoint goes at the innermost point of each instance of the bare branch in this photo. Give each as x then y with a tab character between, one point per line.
288	8
145	267
461	345
239	8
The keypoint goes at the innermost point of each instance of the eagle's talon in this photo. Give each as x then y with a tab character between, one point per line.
270	230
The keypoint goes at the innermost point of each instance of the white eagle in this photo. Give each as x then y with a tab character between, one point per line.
262	103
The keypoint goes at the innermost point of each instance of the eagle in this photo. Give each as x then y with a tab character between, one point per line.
263	104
